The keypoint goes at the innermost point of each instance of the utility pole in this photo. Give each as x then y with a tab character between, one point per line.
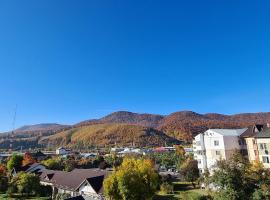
13	128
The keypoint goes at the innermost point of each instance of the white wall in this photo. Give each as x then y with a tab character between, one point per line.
225	147
87	189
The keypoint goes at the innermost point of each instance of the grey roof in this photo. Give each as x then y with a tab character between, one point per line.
26	168
253	130
229	132
263	134
72	180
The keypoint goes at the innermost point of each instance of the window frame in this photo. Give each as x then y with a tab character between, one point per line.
267	159
216	144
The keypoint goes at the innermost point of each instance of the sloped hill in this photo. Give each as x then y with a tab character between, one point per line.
181	125
147	120
184	125
109	134
41	127
28	136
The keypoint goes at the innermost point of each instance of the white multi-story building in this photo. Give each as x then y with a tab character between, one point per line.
217	144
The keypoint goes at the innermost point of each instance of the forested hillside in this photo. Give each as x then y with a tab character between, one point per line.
121	126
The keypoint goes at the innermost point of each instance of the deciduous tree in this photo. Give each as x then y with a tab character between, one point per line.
135	179
53	164
3	170
28	183
28	159
15	161
180	151
236	179
190	170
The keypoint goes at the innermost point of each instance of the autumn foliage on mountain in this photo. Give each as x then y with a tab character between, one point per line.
109	134
126	127
185	124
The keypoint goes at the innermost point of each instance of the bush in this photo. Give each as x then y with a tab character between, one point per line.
53	164
45	191
103	165
166	178
11	190
62	196
3	184
28	183
166	188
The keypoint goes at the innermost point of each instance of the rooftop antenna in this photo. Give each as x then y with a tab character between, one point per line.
13	127
14	119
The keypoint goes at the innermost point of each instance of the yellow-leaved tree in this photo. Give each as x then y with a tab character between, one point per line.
134	179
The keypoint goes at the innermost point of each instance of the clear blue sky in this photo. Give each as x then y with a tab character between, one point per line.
66	61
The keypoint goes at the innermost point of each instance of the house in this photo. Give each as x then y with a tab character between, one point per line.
127	151
263	145
89	155
217	144
62	151
188	151
163	149
117	149
39	156
86	182
249	136
31	168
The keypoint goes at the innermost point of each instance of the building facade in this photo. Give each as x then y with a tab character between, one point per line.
217	144
263	144
249	137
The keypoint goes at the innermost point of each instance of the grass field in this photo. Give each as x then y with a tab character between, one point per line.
182	191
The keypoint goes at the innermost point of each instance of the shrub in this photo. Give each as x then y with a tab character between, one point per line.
166	188
3	184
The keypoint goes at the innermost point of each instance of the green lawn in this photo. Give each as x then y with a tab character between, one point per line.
184	191
4	196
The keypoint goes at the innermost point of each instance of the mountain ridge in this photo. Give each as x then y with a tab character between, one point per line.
109	134
181	125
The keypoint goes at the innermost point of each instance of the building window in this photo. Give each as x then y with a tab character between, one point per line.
239	142
218	153
216	142
198	143
265	159
254	142
255	152
244	152
263	146
199	161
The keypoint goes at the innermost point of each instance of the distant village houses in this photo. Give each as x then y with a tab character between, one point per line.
62	151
